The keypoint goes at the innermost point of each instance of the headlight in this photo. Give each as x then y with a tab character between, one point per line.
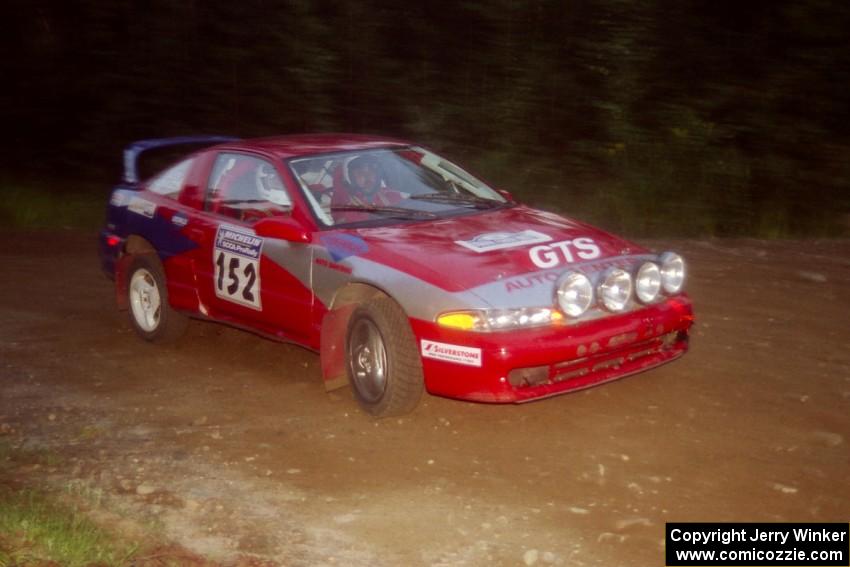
672	272
648	282
488	320
575	294
615	290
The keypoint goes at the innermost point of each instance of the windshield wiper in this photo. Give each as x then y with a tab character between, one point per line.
398	212
241	201
233	203
477	202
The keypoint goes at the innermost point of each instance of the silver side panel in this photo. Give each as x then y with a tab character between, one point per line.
314	267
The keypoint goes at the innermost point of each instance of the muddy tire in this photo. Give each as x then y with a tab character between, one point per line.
383	361
151	314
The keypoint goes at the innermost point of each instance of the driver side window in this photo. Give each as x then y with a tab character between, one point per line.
246	188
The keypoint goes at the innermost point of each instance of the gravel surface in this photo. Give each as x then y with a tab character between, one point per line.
228	445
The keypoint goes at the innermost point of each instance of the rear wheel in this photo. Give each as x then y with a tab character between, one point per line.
383	362
150	313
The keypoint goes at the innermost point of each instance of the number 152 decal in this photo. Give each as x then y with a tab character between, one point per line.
236	258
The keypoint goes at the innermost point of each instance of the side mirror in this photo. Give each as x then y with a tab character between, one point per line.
283	229
507	195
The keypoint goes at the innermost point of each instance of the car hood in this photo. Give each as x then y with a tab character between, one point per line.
465	252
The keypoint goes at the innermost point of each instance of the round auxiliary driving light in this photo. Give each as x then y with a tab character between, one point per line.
672	273
648	282
615	290
575	294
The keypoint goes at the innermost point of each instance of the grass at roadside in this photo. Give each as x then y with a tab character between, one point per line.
36	206
34	527
38	526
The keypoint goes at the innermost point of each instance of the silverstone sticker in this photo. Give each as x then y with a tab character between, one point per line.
499	240
555	254
142	207
236	257
467	356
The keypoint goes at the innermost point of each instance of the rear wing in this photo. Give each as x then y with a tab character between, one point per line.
134	150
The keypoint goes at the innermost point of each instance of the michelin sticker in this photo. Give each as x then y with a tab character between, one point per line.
142	207
467	356
499	240
236	256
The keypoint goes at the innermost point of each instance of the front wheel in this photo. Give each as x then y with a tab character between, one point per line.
150	313
383	362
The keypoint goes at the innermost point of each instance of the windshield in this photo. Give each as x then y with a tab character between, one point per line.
388	186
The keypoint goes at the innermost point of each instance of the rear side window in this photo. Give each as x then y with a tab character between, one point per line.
170	181
246	188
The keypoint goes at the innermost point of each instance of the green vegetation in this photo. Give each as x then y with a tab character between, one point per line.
648	117
38	526
35	528
39	206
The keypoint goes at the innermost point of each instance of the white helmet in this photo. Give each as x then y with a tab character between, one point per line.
270	187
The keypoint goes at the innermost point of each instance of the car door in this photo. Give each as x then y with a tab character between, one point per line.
243	278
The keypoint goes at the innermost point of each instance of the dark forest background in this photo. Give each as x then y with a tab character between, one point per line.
652	117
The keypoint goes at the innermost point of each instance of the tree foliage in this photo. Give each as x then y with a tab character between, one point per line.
654	117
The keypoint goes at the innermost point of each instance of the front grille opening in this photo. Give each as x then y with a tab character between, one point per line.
525	377
580	367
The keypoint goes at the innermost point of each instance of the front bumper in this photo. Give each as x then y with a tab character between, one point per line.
519	366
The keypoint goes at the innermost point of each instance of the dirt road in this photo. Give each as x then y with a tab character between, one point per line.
229	444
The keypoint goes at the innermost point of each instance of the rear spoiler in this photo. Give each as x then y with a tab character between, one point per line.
134	150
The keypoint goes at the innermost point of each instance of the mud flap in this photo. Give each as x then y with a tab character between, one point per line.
334	328
121	267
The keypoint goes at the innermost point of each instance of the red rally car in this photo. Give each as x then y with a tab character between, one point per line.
403	271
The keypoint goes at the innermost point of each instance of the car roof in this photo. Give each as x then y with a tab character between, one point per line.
309	144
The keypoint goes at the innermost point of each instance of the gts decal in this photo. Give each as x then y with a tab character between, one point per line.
552	255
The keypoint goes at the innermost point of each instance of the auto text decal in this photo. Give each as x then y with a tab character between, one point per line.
499	240
557	253
236	257
529	281
467	356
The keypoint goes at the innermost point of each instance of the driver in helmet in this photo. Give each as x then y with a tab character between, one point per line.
366	185
270	187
